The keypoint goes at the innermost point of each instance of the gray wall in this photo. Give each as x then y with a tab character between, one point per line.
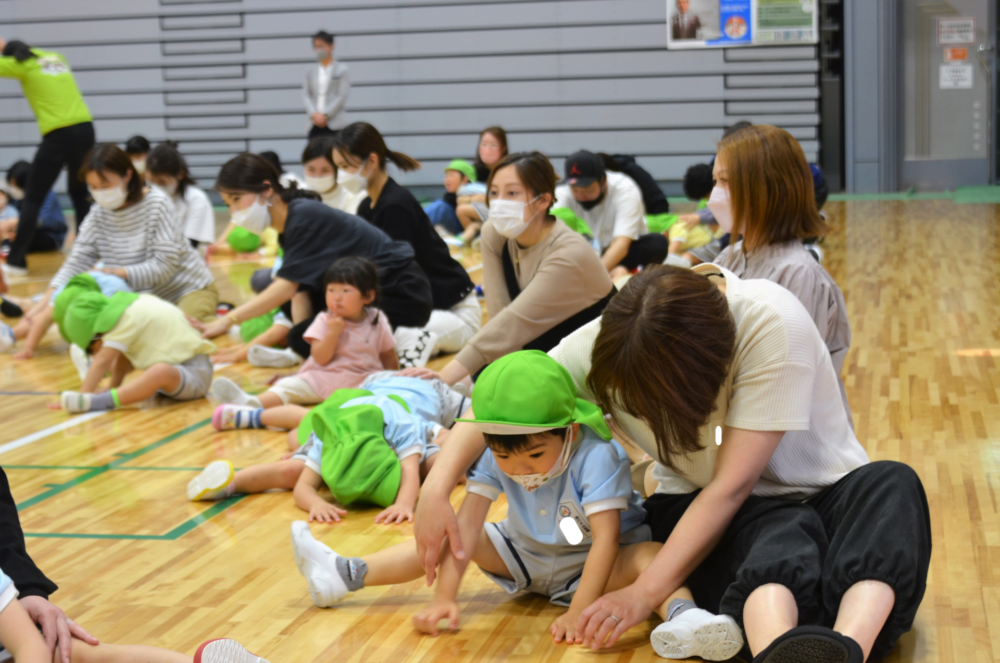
222	77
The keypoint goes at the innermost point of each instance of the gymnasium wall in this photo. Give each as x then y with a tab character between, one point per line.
226	76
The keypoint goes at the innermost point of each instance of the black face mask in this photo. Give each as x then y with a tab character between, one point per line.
591	204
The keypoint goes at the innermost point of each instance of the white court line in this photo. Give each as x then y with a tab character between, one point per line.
225	364
474	268
69	423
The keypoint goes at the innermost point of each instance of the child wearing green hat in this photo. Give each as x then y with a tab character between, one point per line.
574	526
127	332
461	191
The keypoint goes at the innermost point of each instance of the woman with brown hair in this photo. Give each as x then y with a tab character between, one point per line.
767	505
133	230
541	279
491	150
764	192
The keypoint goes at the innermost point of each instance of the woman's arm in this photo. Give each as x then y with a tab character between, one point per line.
742	457
389	360
435	517
276	294
616	252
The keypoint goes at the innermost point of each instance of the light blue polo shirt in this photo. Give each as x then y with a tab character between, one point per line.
599	478
8	592
419	395
407	434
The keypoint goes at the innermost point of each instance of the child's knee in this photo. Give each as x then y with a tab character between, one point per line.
293	439
290	472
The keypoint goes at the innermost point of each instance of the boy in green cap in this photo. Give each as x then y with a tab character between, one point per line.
462	191
574	526
127	332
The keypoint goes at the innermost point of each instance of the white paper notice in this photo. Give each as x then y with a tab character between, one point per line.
956	31
956	77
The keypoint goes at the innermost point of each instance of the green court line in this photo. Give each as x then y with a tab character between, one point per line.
97	467
113	465
172	535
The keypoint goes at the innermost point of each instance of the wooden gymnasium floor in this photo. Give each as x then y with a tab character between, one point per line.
102	499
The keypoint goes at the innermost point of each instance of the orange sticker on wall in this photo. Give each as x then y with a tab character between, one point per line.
956	54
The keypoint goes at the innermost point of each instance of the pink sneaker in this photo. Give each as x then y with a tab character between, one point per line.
225	651
231	417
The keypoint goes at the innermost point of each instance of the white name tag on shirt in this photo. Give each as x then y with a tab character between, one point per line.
578	522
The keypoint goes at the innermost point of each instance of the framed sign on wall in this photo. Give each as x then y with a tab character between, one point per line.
729	23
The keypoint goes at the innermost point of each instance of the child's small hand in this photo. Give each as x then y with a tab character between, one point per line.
54	406
395	515
426	621
564	628
326	513
288	455
336	324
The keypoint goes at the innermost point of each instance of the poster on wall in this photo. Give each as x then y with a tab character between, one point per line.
729	23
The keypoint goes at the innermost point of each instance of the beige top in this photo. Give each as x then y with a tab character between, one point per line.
791	266
781	379
559	277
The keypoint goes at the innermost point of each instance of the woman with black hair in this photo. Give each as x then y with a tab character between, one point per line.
137	148
361	156
67	133
321	176
167	169
313	236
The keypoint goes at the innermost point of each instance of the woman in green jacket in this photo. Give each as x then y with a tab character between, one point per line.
67	136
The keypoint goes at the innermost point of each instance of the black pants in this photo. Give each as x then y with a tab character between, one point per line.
320	131
60	147
871	525
649	249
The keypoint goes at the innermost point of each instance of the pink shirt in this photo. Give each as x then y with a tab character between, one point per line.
356	356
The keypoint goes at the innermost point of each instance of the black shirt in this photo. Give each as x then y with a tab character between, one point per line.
14	559
316	236
399	214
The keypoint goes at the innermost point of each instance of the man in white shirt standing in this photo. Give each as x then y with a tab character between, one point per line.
611	205
325	90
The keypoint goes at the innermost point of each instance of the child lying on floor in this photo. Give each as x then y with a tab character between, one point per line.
20	638
127	332
363	446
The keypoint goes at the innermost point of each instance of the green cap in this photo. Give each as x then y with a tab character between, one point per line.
242	240
76	286
530	392
464	167
92	313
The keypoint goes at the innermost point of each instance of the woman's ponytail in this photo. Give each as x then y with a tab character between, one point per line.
361	139
404	162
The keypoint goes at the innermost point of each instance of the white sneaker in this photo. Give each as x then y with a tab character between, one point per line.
225	651
7	339
315	562
211	484
12	271
697	632
263	356
816	252
80	360
414	346
225	390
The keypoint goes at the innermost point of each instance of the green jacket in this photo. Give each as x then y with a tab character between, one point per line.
50	89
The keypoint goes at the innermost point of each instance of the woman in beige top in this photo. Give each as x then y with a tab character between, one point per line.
764	192
542	280
767	506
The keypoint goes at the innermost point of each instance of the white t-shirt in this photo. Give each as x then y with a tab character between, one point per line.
781	379
195	213
340	198
323	85
620	214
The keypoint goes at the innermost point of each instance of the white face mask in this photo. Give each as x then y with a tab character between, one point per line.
321	54
355	182
15	192
718	204
320	184
254	219
532	482
169	189
111	198
140	165
508	216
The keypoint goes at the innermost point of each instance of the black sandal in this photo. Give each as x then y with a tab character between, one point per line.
812	644
9	309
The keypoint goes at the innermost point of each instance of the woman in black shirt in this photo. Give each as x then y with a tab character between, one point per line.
360	154
313	236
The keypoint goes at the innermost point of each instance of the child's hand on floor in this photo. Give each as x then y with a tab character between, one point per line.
426	621
395	515
54	406
564	628
326	513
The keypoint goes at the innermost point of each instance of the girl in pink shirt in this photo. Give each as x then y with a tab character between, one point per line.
350	340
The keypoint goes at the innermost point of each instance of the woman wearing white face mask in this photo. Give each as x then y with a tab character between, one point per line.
133	231
541	279
313	237
321	177
773	206
167	169
361	156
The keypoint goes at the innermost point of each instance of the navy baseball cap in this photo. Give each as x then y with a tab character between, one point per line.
583	168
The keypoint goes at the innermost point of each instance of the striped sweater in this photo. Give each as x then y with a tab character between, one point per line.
147	240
